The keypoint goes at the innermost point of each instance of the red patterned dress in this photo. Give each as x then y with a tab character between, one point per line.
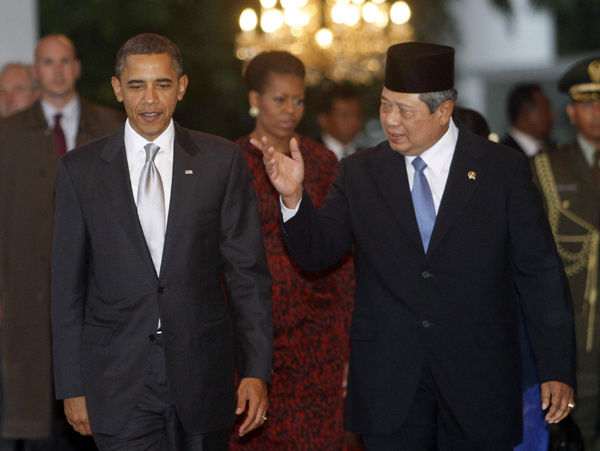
311	316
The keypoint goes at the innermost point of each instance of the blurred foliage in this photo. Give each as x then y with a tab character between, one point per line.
216	100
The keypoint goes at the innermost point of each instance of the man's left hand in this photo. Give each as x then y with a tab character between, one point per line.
253	392
559	397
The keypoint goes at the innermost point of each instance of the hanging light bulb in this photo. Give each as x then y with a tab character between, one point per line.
352	15
324	37
248	19
271	20
370	12
400	12
345	40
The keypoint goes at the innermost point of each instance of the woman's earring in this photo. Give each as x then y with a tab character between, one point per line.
254	112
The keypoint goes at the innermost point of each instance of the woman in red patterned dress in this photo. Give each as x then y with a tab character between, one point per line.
311	311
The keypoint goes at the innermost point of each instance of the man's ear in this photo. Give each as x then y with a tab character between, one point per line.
445	111
116	84
570	109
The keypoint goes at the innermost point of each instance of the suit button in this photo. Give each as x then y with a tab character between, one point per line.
426	275
161	290
151	337
425	324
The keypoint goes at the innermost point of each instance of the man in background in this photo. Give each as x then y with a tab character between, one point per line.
340	118
531	119
569	177
31	143
18	89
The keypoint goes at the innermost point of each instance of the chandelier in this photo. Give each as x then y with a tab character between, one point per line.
343	40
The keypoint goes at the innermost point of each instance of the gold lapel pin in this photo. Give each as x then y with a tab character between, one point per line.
472	175
188	172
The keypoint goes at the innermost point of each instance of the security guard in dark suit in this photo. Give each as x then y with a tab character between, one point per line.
569	177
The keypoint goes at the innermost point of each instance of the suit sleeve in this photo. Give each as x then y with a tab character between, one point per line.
320	239
541	281
69	285
246	273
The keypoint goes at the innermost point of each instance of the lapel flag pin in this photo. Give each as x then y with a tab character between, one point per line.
188	172
472	175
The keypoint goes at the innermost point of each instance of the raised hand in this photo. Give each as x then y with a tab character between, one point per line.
286	174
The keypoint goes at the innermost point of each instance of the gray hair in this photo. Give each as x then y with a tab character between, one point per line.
434	99
22	66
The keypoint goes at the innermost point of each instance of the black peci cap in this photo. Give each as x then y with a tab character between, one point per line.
582	80
419	67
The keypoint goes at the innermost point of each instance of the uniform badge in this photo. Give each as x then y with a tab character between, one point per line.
594	71
472	175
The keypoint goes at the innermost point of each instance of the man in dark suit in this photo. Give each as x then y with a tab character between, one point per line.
339	115
569	177
531	119
151	222
445	224
28	160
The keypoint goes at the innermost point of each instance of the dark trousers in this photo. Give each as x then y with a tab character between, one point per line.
430	426
155	425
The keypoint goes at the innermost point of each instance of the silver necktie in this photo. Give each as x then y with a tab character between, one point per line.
151	206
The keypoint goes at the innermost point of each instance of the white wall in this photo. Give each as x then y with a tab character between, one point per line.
18	30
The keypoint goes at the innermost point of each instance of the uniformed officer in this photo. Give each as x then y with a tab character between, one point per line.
569	177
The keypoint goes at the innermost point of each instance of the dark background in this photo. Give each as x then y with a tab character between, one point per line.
216	100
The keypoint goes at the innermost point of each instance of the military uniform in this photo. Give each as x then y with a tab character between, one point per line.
572	194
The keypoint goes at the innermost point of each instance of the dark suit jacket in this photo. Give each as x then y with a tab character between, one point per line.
107	298
28	164
510	142
455	306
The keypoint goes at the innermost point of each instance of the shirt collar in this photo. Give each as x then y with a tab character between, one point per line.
134	142
437	156
70	112
587	149
337	147
530	145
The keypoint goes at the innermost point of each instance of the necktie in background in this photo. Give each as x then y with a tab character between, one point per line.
423	202
151	206
60	143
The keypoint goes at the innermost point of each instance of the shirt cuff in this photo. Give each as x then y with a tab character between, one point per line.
288	213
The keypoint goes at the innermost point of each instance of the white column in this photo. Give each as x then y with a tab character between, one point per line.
19	30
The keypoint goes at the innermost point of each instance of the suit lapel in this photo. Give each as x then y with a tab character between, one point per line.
184	180
392	181
117	184
466	172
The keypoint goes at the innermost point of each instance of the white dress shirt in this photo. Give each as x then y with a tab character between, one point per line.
69	122
438	159
136	157
530	145
587	149
340	149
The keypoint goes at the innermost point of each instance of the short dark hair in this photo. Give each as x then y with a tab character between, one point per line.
148	44
277	61
330	92
472	120
521	97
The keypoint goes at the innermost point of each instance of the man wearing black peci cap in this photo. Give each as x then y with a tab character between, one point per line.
569	177
446	227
